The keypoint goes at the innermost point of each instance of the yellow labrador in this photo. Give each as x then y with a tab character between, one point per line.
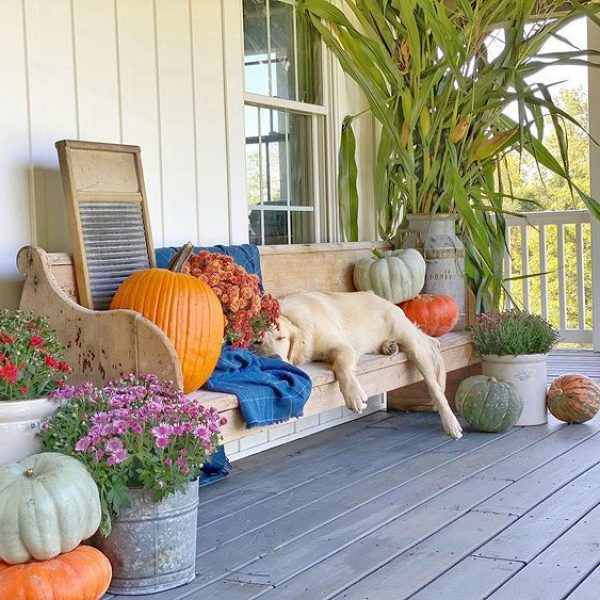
337	328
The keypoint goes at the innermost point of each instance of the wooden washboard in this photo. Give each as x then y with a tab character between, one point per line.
108	216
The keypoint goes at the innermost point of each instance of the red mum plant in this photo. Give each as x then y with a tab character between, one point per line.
31	358
248	312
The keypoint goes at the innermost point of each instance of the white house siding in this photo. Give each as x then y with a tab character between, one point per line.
152	73
166	75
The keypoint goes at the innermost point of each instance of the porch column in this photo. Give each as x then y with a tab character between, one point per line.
594	116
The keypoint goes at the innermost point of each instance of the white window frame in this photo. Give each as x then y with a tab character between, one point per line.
320	118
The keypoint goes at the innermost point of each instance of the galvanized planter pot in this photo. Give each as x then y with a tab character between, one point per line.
152	545
444	254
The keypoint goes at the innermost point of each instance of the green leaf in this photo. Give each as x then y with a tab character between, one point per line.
347	177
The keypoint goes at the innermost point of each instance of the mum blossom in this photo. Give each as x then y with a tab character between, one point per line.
113	445
117	457
36	341
83	444
9	373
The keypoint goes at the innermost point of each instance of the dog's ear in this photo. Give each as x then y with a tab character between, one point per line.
296	353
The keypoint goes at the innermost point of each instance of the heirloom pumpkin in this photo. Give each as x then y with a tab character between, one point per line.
488	404
49	503
185	308
396	275
574	398
434	314
82	574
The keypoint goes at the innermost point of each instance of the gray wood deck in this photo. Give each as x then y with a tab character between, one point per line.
388	507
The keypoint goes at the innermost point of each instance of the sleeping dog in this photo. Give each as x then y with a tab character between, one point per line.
336	328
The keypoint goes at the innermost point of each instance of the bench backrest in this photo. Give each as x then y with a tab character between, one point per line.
286	269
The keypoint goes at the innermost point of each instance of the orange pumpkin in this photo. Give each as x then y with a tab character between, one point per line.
574	398
185	308
82	574
434	314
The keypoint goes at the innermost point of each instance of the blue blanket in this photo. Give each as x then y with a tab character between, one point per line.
269	390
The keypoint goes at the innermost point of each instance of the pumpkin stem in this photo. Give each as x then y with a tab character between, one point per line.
181	257
29	473
378	253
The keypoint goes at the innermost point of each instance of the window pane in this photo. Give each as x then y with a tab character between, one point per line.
278	164
254	227
276	227
256	47
302	227
281	51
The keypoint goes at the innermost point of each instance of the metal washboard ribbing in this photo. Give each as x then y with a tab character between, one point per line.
108	216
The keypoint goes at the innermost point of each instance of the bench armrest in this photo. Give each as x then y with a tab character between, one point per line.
100	345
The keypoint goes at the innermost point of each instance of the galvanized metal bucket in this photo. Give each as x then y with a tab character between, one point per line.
152	545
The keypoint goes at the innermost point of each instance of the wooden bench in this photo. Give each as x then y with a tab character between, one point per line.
105	344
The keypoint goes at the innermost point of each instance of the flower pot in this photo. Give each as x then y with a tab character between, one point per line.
527	372
434	236
19	422
152	545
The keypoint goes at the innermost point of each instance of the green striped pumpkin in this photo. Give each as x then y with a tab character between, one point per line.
574	398
488	404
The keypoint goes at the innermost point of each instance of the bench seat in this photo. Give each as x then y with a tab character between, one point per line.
105	344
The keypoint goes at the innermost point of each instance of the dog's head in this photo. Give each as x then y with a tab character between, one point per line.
284	342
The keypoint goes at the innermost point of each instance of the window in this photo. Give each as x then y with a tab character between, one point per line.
284	123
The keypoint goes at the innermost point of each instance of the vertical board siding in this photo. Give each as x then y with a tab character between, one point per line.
96	70
53	110
209	98
139	98
177	124
14	149
146	72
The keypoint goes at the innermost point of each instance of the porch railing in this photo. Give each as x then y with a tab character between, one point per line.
556	245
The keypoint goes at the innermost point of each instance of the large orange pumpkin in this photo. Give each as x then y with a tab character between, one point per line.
82	574
186	309
435	314
574	398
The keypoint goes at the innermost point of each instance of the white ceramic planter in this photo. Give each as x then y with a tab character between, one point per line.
527	372
19	422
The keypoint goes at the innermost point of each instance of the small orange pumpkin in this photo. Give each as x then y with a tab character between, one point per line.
434	314
185	308
82	574
574	398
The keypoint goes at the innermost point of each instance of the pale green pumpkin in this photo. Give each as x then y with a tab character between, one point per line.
488	404
396	275
49	503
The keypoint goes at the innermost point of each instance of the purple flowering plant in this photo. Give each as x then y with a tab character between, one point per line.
135	432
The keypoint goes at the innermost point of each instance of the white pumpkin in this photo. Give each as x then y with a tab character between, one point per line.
396	275
49	503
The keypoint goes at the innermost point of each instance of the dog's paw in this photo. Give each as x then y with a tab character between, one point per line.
390	347
452	428
356	399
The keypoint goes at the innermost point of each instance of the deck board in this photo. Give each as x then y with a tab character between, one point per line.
387	507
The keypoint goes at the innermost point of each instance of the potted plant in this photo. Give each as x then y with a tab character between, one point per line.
144	443
31	366
438	77
514	347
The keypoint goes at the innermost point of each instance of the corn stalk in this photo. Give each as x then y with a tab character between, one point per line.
440	97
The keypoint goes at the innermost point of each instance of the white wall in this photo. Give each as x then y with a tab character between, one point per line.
152	73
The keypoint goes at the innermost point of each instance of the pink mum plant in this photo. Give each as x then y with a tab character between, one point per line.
135	432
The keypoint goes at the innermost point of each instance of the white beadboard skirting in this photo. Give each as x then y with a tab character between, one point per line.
299	428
